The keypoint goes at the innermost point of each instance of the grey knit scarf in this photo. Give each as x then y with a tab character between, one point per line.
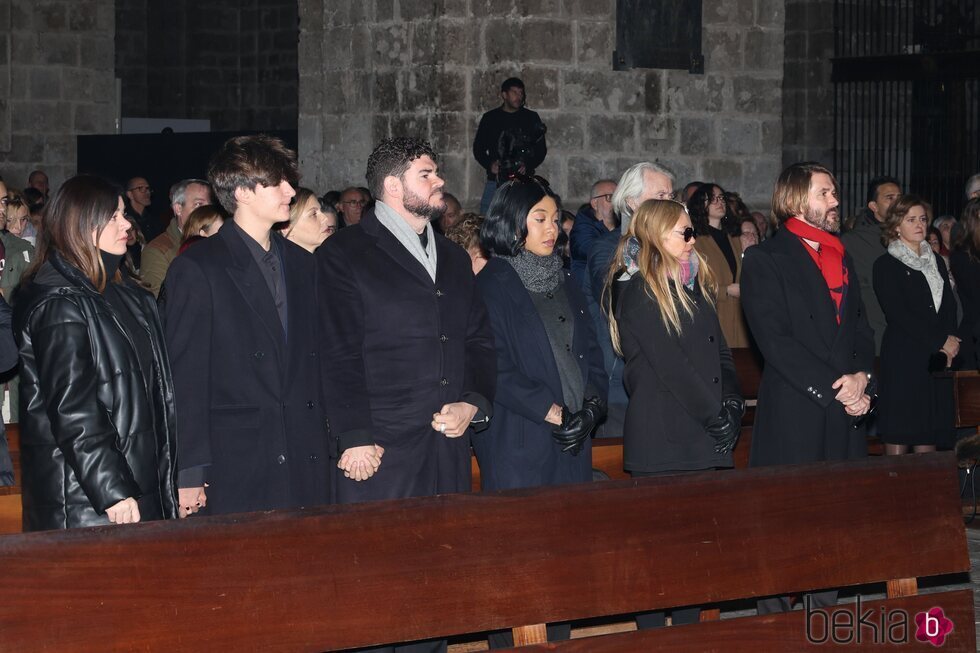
408	238
537	273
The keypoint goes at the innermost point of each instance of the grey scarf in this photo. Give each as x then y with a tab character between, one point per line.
925	263
537	273
397	225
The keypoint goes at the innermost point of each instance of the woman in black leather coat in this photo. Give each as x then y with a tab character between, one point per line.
97	415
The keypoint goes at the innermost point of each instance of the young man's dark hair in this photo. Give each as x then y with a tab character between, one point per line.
247	161
391	158
878	182
511	82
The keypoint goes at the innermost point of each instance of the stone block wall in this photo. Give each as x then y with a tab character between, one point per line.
375	68
57	81
233	62
808	94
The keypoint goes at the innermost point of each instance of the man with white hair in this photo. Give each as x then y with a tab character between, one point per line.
643	181
972	188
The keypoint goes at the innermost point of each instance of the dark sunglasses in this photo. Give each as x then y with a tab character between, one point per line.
688	234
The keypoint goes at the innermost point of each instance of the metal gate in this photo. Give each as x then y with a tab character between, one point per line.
906	79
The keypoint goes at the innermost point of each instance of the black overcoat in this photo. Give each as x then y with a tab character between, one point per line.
675	383
913	406
518	450
966	271
793	321
248	402
396	348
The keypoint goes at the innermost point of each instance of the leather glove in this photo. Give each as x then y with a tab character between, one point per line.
725	426
577	427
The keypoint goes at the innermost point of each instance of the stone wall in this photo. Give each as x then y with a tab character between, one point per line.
374	68
808	94
233	62
56	82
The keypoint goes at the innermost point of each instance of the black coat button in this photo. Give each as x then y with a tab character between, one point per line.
561	318
711	338
312	354
309	404
314	457
714	379
259	354
281	459
443	338
444	382
438	293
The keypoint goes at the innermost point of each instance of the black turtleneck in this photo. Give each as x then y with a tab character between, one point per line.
123	308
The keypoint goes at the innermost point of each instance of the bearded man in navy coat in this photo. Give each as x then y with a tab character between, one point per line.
408	361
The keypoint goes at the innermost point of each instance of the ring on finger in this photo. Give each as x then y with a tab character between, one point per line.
442	428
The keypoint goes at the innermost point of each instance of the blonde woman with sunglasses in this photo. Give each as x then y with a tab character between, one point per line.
685	408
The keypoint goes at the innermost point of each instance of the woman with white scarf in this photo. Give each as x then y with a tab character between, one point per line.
912	285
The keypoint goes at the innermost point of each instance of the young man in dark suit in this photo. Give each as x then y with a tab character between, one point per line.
802	299
240	320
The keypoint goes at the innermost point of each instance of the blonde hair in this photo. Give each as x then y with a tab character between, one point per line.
651	225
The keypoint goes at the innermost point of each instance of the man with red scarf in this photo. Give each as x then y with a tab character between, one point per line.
802	300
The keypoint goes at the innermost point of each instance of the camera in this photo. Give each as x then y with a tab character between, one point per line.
516	148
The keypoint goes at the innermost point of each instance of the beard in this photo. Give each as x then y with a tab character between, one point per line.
828	220
420	207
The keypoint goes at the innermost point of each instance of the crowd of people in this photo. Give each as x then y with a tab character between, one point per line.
269	347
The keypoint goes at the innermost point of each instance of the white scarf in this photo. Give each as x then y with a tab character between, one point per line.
400	229
925	263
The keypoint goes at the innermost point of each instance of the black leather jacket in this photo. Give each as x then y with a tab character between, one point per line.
92	432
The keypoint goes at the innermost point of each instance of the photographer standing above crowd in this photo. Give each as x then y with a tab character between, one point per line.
510	139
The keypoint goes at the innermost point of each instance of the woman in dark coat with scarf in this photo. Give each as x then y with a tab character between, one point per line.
685	408
97	415
551	384
549	366
915	409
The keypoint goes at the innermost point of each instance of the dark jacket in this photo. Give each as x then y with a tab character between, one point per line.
8	360
585	231
793	321
249	412
91	432
526	123
676	383
396	348
966	271
518	450
863	243
913	407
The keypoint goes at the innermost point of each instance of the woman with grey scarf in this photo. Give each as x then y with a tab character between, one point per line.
915	408
551	384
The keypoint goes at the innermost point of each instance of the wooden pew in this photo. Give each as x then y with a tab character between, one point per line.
351	576
966	392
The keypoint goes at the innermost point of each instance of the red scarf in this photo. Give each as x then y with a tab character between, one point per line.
829	258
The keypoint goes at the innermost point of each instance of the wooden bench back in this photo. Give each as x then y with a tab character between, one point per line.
350	576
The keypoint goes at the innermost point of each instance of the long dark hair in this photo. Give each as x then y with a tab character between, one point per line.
968	239
697	207
84	204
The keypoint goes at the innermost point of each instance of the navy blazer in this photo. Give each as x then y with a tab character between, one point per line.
247	394
518	450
